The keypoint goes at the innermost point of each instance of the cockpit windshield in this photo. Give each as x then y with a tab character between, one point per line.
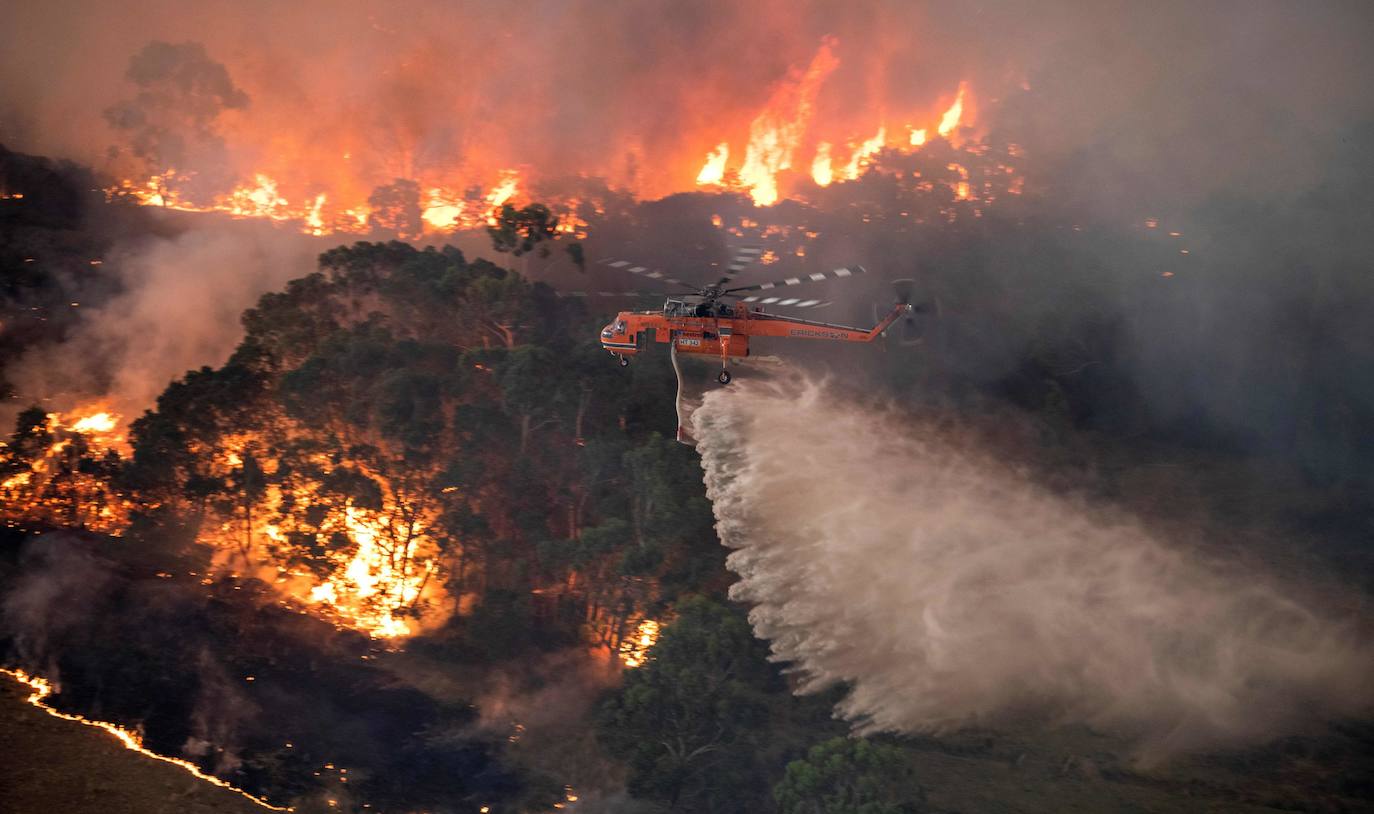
682	308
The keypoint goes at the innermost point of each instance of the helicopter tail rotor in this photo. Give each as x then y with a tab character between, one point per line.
903	289
910	332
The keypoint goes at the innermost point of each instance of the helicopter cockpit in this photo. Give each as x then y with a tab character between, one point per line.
699	308
610	331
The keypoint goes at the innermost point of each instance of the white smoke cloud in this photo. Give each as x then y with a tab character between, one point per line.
179	309
950	590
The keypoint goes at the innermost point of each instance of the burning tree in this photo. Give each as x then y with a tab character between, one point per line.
57	469
395	439
171	122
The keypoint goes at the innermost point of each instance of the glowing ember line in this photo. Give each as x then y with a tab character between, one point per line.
42	688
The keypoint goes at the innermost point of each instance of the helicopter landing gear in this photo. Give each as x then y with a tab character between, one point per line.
723	377
624	362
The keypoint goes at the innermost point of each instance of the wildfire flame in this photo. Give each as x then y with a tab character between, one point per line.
864	152
56	482
635	648
713	172
96	423
777	133
371	589
821	171
374	581
42	688
333	188
443	208
951	119
381	571
504	190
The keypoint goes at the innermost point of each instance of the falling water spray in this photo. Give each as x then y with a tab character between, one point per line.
948	589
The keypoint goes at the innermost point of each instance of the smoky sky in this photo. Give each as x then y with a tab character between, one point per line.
1149	99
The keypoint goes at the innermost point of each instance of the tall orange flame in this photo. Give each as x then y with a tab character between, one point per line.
775	133
821	171
950	120
713	171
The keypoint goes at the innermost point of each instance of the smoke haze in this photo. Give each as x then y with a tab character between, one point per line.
178	309
949	590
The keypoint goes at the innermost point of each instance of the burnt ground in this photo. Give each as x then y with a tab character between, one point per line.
48	765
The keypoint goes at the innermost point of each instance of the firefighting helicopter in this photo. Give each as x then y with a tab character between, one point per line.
718	320
701	323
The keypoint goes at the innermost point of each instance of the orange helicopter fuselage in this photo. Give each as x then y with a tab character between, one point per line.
723	332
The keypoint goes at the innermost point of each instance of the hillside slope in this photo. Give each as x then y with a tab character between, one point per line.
51	765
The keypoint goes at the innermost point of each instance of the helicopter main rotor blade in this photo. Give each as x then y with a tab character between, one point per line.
814	277
644	271
609	293
790	302
745	256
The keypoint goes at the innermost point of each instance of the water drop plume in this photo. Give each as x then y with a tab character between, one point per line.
949	589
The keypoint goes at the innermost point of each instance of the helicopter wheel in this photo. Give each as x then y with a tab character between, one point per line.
724	377
624	362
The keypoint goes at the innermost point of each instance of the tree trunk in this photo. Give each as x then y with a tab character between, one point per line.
583	402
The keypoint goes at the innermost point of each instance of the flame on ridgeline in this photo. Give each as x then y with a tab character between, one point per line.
362	183
781	130
42	688
443	208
